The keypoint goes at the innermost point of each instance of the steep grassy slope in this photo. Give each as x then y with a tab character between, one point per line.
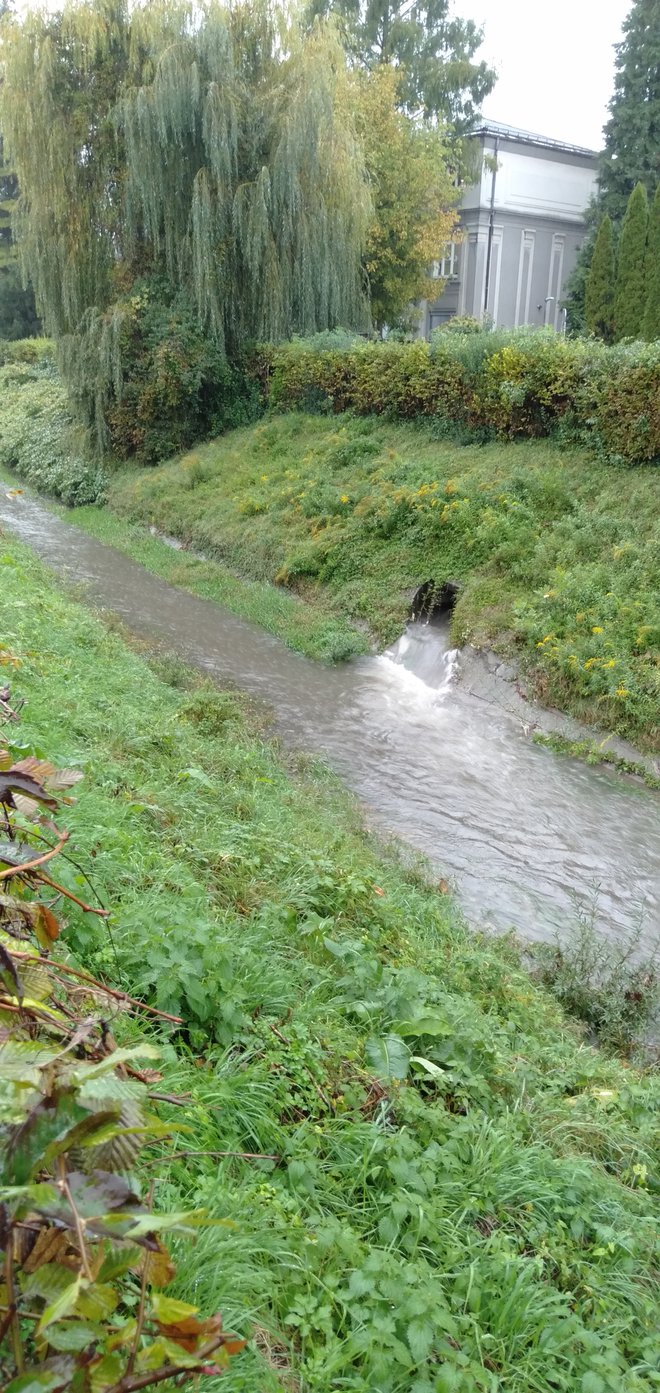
460	1195
558	556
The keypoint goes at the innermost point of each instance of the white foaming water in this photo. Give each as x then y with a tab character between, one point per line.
419	664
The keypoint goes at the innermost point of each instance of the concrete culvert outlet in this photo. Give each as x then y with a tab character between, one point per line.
434	600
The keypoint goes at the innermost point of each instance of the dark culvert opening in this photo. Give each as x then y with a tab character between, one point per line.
433	601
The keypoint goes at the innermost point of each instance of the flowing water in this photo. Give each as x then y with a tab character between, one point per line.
529	839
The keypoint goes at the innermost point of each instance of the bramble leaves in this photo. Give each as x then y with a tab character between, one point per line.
13	781
72	1112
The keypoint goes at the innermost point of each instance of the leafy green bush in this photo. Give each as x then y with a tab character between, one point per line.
37	434
603	983
462	324
25	350
517	383
619	398
170	383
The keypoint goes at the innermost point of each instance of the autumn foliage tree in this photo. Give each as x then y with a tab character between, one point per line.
413	194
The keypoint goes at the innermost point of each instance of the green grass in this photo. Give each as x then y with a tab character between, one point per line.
558	555
316	631
489	1222
592	753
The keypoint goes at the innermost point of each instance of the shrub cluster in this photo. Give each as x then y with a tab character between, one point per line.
38	437
149	381
507	383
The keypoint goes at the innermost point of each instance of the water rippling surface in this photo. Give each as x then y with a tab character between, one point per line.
528	838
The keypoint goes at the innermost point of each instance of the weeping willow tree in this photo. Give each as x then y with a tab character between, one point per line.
205	150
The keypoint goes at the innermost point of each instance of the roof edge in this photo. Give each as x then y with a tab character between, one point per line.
498	128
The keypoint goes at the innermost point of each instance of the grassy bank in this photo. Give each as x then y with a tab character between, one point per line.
465	1196
317	630
557	555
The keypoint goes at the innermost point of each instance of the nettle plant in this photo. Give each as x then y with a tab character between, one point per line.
84	1264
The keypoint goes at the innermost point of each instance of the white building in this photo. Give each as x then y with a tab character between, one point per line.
522	223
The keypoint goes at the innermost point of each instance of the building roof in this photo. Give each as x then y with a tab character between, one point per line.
499	128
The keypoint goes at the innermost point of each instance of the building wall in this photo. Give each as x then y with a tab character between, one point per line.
540	195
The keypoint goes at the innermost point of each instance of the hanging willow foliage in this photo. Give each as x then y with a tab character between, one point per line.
211	145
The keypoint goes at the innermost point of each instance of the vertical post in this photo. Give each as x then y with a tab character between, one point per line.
491	225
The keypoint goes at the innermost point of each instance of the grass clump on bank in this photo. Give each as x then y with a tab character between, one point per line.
460	1195
318	631
557	555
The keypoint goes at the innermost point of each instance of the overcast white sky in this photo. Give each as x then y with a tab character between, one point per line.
555	61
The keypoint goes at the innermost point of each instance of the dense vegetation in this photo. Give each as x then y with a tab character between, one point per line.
628	166
187	162
79	1235
508	383
194	179
38	435
18	315
432	48
632	134
556	561
453	1193
620	284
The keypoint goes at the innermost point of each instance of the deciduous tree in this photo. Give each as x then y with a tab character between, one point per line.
212	145
434	52
414	197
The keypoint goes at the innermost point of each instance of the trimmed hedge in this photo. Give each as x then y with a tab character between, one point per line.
505	383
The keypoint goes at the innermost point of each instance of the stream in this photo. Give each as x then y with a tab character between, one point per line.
428	742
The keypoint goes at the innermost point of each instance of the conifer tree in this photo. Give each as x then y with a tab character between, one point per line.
651	320
599	294
630	293
632	134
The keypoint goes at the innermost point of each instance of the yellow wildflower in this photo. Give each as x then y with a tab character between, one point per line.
596	629
622	691
344	498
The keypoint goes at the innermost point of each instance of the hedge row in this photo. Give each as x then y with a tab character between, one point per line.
504	383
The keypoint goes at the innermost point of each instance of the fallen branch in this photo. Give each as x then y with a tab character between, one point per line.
132	1384
100	986
38	860
241	1155
61	890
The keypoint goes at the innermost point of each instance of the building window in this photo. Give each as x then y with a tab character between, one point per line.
446	269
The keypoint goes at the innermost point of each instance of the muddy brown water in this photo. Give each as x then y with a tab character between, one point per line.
529	839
